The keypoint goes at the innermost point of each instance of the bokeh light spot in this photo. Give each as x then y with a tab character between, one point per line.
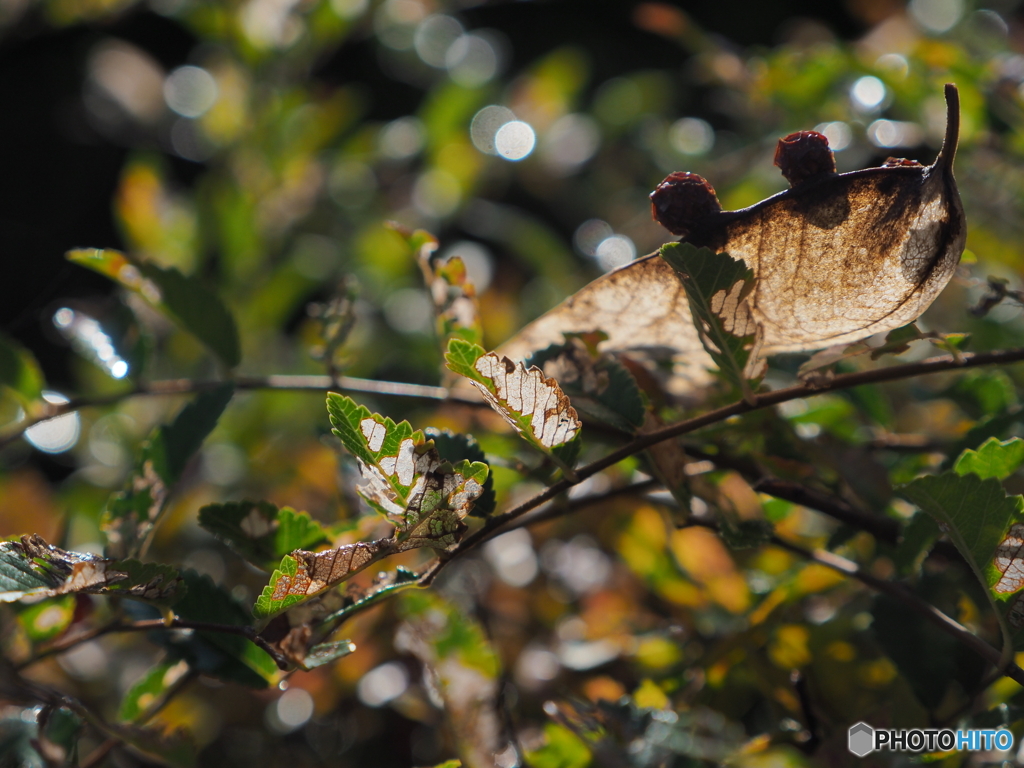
434	36
838	134
936	16
472	61
383	684
569	143
190	91
486	124
514	140
615	251
868	93
409	311
691	136
893	133
58	434
291	711
590	234
512	557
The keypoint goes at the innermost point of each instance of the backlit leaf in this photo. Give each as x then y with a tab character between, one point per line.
47	619
533	404
184	298
260	532
717	287
835	259
598	385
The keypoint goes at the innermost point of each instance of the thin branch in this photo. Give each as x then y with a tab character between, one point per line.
757	402
149	625
908	599
882	528
281	383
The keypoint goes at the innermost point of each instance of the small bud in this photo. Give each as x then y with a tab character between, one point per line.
804	155
900	162
683	202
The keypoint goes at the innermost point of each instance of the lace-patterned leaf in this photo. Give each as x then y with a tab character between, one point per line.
717	287
530	402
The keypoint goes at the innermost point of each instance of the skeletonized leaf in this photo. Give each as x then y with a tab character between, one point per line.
455	302
31	567
302	575
184	298
836	258
260	532
717	287
132	514
455	448
530	402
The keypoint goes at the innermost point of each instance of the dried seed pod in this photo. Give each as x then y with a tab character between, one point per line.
804	156
835	259
684	202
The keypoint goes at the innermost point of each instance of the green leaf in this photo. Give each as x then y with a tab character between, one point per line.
31	567
239	660
260	532
562	749
132	514
717	286
46	620
975	513
455	302
992	459
598	385
149	689
984	525
19	370
531	403
184	298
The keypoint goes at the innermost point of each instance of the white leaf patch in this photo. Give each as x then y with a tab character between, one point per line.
528	392
1009	561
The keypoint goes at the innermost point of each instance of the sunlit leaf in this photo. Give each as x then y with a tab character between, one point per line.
31	567
148	690
531	403
992	459
561	749
455	448
184	298
260	532
46	620
132	514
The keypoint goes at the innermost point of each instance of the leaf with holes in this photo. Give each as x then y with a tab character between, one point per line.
717	287
533	404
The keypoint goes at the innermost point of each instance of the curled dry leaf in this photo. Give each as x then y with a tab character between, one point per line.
836	258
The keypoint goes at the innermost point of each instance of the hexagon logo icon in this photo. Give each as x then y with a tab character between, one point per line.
861	739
